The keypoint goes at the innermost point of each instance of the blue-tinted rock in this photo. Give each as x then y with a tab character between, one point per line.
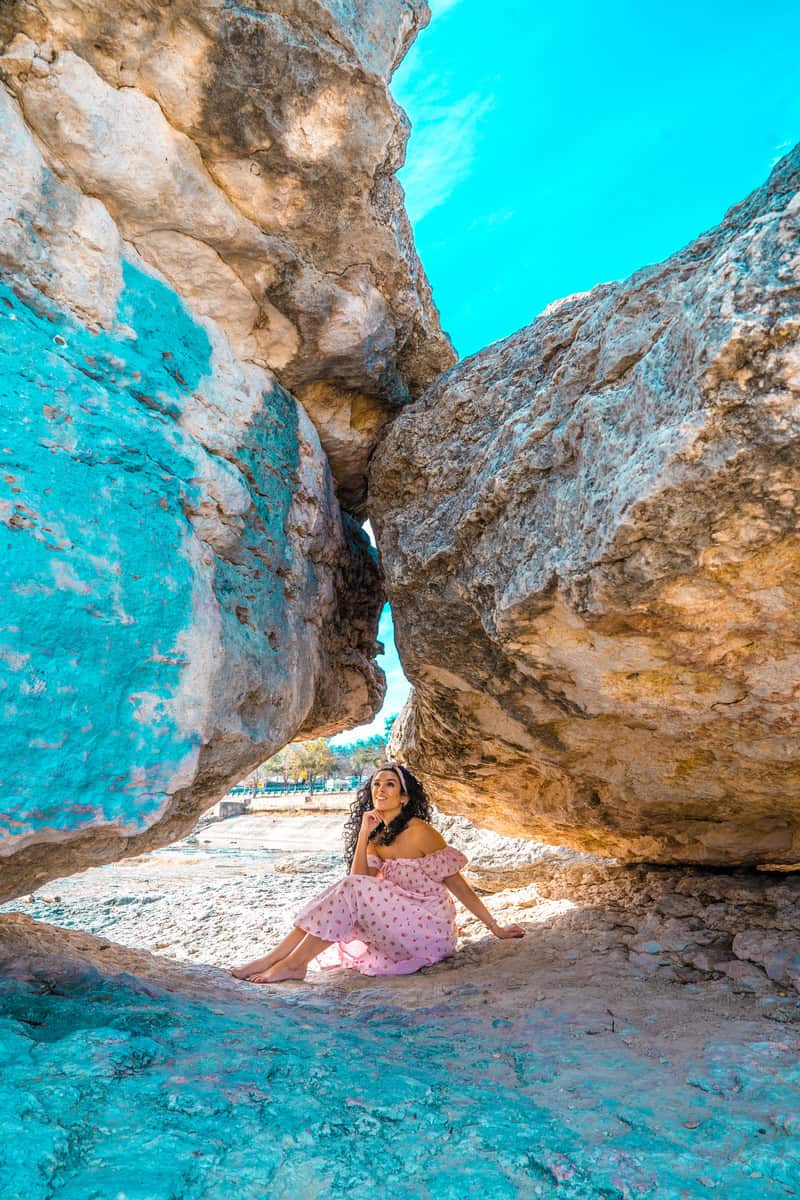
182	593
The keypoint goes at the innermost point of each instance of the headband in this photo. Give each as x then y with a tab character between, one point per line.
395	766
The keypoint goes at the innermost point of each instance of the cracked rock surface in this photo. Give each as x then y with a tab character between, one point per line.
248	153
602	512
198	211
183	592
580	1058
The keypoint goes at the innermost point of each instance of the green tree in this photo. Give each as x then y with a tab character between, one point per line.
312	760
370	752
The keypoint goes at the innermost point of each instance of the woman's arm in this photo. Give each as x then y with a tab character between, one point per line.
359	864
463	892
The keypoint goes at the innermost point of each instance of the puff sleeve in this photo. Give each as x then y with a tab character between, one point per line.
442	863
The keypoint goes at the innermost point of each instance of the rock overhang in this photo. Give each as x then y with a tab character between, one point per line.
245	159
612	557
201	597
250	156
183	594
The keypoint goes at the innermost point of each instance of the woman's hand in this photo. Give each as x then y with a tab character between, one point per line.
507	931
370	820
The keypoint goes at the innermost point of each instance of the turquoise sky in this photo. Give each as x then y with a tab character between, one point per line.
555	147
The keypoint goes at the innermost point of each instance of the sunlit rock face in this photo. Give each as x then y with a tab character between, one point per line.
590	536
181	593
248	153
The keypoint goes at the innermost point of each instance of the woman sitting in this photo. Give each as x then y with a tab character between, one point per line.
393	913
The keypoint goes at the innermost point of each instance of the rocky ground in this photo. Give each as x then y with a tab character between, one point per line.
234	885
641	1040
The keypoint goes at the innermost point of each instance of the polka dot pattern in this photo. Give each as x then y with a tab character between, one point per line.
391	923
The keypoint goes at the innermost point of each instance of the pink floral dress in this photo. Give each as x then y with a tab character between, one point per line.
391	923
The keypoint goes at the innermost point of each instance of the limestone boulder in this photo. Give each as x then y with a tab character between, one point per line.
248	153
182	594
590	538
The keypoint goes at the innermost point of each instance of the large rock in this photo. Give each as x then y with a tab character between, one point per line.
590	538
248	153
182	594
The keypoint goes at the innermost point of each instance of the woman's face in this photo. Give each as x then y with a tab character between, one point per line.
386	793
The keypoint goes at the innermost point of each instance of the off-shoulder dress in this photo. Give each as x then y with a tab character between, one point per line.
391	923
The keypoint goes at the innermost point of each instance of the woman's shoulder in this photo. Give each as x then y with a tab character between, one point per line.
425	837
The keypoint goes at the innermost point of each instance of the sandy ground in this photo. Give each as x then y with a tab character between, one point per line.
310	832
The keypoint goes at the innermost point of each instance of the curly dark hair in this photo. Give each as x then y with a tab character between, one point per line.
417	805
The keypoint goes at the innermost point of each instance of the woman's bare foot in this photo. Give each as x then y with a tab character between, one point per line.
279	972
258	964
281	951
